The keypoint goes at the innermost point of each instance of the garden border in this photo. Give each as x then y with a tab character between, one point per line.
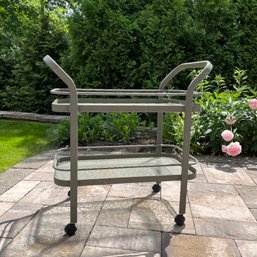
32	116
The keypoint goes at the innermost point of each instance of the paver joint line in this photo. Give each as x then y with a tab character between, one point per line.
223	214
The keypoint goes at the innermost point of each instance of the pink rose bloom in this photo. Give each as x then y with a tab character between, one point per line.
230	120
253	104
227	135
224	148
234	149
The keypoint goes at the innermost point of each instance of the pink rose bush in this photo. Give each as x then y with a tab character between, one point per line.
253	104
224	149
230	120
227	135
233	148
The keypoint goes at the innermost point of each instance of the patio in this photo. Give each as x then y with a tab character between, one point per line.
128	219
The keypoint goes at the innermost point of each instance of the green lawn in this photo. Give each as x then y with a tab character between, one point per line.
22	139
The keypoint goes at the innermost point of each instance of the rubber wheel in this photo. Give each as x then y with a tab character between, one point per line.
70	229
156	188
69	193
180	220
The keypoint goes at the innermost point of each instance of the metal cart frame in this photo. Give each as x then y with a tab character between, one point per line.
158	101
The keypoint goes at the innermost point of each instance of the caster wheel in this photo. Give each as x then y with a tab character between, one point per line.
180	220
156	188
70	229
69	193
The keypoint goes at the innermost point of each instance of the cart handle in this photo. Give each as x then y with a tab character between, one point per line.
205	65
60	73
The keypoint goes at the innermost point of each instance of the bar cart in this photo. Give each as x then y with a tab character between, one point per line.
81	166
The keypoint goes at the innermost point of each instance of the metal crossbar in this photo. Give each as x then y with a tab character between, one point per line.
74	169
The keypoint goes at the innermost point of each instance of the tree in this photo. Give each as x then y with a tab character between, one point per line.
125	44
43	27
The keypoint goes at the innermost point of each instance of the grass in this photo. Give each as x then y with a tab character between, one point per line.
22	139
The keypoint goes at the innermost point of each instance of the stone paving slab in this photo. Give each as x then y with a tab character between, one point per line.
15	219
252	173
93	193
239	160
125	239
4	242
223	228
218	201
129	219
223	173
11	177
44	234
170	190
133	190
249	195
45	193
195	246
37	161
254	212
201	178
107	252
48	166
41	176
152	215
5	206
247	248
198	167
116	212
44	173
17	192
159	216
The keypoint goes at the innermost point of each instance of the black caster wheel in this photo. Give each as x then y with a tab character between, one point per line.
180	220
70	229
69	193
156	188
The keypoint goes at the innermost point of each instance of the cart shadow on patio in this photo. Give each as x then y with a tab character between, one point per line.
129	220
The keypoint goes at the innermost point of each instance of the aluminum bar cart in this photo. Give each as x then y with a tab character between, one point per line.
75	166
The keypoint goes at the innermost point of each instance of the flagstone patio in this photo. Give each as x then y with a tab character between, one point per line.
128	219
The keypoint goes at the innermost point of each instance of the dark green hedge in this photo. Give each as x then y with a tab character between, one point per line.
133	44
129	44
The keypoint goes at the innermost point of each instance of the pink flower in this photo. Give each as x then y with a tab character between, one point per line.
234	149
224	148
253	104
230	120
227	135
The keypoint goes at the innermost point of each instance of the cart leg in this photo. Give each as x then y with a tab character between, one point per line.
180	219
73	206
159	132
70	229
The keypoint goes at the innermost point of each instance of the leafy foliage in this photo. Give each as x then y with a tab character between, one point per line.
133	44
118	44
207	126
110	127
26	86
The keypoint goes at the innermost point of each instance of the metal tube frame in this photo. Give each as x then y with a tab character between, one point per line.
73	93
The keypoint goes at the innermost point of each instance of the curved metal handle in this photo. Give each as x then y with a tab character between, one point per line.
206	65
73	131
61	74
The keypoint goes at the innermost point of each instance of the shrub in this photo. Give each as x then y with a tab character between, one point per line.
225	105
110	127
